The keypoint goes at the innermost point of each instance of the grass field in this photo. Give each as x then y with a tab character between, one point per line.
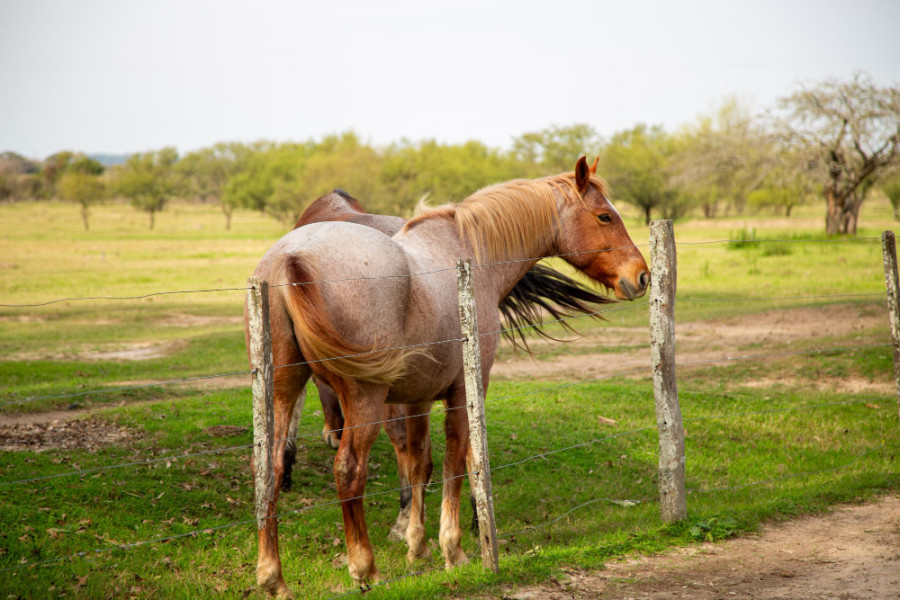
766	439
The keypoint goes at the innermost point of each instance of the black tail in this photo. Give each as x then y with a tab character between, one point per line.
545	289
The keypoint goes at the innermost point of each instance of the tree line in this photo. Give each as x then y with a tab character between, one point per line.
831	142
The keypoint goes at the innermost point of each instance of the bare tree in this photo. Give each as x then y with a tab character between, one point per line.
849	132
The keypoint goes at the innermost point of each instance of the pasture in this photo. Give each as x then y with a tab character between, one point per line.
767	438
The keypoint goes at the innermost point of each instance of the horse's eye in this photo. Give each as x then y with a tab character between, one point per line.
604	218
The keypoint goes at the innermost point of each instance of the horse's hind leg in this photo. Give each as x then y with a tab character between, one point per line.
289	383
417	459
456	426
363	408
395	427
290	446
334	417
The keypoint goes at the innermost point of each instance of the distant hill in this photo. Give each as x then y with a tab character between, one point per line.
108	160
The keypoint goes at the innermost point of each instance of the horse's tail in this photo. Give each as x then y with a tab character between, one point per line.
320	340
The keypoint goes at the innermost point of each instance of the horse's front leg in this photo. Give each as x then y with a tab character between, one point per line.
289	383
456	427
363	407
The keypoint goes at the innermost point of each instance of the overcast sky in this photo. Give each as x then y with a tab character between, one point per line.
123	76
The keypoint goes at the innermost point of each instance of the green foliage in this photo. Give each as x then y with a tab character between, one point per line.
149	180
637	162
891	189
555	149
714	529
81	187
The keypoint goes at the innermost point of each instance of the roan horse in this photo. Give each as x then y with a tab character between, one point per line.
541	291
366	313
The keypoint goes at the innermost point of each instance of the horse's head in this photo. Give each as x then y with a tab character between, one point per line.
593	238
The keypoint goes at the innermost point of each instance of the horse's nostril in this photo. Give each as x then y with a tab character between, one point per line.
644	279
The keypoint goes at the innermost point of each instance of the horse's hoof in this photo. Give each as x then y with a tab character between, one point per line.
365	580
273	583
423	553
457	558
397	532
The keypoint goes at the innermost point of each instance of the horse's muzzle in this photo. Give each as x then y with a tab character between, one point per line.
631	290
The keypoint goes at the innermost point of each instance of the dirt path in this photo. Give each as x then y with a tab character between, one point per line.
698	342
850	554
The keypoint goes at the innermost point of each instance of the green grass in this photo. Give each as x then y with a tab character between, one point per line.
60	517
739	429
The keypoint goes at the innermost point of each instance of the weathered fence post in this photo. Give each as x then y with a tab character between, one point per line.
663	278
889	253
480	469
263	396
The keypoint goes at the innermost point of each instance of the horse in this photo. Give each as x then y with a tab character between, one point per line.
542	289
372	315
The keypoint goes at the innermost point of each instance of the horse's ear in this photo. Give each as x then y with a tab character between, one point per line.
594	166
582	175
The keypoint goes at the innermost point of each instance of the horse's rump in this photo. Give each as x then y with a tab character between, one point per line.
331	309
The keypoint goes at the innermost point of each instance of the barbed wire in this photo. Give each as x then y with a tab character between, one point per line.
137	463
622	503
781	241
124	388
140	297
213	529
756	299
423	273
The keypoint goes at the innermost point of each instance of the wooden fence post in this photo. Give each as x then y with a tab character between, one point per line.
480	467
663	278
263	386
889	254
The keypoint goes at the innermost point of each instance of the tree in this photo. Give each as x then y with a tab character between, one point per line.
443	172
555	149
149	180
636	163
891	189
83	188
722	156
206	172
849	132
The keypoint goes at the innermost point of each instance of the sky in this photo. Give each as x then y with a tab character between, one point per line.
117	76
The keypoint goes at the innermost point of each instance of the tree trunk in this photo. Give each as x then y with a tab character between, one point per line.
84	216
833	212
843	213
647	215
787	210
227	210
152	218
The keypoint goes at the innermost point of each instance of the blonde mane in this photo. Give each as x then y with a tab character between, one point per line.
508	219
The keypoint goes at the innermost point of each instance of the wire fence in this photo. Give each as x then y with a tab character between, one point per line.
630	372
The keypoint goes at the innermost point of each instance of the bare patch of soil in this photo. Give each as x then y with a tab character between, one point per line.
851	554
701	342
82	434
121	352
224	430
